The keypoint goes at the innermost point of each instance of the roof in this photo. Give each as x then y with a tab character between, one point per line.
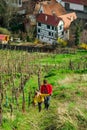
82	2
49	7
68	19
48	19
2	37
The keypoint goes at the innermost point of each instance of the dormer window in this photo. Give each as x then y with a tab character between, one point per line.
41	11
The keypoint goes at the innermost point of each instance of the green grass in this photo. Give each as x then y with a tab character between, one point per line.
68	103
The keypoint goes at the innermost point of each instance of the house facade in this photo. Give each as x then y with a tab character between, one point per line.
78	5
4	39
49	28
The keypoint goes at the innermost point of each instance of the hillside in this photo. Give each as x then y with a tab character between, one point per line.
68	75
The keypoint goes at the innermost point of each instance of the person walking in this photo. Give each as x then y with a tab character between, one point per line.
46	89
38	99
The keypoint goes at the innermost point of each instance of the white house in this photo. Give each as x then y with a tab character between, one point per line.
49	28
54	8
79	5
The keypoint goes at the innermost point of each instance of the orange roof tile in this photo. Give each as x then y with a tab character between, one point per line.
54	8
50	7
68	19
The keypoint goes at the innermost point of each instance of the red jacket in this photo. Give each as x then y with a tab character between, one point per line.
46	89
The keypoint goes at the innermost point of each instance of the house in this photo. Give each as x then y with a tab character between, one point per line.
68	19
4	38
54	8
14	3
79	5
49	28
83	37
24	9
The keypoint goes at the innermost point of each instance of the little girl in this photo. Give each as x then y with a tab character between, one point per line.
39	98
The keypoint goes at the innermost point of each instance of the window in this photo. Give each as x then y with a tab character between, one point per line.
19	2
48	26
62	33
39	24
49	33
52	28
55	28
85	9
60	27
38	30
41	11
52	34
67	6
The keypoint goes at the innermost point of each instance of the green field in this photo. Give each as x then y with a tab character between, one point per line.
19	73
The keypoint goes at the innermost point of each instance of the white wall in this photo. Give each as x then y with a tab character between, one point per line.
44	32
41	9
46	39
66	35
62	3
74	6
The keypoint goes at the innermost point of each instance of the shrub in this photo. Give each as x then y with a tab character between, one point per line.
36	41
4	31
62	42
83	46
28	39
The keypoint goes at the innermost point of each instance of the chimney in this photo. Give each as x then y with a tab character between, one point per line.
45	17
53	13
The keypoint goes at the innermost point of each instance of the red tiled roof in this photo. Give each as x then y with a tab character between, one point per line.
82	2
57	8
49	7
48	19
68	19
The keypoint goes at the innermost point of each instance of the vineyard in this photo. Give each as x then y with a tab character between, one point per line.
21	73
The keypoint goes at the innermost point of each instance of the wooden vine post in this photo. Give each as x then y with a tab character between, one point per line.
39	78
23	101
0	101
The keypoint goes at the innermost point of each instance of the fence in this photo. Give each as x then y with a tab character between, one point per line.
38	49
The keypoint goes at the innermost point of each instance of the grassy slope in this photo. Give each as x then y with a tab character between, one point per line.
68	109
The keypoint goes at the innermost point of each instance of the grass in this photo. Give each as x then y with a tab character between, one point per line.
68	107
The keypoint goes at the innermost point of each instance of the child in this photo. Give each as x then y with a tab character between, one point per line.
39	98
